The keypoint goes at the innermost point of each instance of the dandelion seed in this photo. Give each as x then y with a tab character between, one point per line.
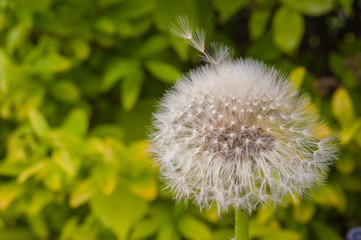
247	138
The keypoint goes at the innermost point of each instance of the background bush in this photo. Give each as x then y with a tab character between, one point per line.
80	78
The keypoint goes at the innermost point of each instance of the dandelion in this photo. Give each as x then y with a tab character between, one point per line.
236	133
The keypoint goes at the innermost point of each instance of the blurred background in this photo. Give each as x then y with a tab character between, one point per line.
79	80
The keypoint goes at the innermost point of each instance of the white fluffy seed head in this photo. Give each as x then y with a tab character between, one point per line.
235	133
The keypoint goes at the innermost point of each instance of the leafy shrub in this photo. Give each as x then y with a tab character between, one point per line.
79	80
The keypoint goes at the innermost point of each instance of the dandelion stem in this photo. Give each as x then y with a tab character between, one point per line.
241	224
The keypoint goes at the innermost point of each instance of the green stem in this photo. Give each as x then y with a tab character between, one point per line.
241	225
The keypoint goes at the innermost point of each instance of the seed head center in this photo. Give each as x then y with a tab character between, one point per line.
238	141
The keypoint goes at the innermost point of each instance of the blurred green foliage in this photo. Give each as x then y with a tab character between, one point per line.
79	80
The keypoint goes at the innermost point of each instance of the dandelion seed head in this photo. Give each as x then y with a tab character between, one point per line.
237	134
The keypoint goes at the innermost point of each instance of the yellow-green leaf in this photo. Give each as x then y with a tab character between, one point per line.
283	235
130	89
227	8
38	122
39	226
8	193
192	228
349	131
304	212
53	63
163	71
297	75
342	107
65	91
146	187
153	46
288	27
82	193
16	36
80	48
65	161
38	201
223	233
144	229
30	171
327	196
167	232
265	213
311	7
76	122
120	211
346	164
347	6
117	71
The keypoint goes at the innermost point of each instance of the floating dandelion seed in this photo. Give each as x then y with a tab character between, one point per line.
236	133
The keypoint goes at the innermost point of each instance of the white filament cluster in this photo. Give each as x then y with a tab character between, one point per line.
235	133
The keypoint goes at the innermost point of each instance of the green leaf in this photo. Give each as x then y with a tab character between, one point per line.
351	183
16	36
256	50
130	89
257	229
324	232
163	71
65	91
342	108
181	47
265	213
223	233
54	179
311	7
80	48
17	233
106	25
283	235
38	122
287	27
167	11
39	226
348	132
108	130
192	228
38	201
53	63
258	22
119	211
153	46
227	8
117	71
76	122
347	6
128	29
69	228
167	232
144	229
337	64
134	9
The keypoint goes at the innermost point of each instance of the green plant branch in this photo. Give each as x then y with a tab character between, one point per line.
241	224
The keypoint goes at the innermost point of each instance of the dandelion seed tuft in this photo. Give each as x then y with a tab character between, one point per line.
235	133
